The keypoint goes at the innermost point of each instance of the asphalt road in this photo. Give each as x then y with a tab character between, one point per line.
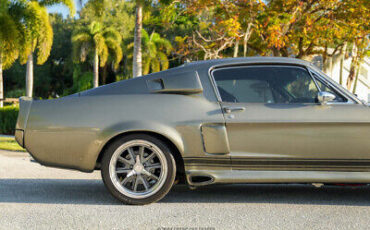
36	197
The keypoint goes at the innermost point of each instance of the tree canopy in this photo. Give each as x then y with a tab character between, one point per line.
173	32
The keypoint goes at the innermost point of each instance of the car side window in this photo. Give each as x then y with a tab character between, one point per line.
265	84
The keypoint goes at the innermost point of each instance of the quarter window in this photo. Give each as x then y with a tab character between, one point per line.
327	88
265	84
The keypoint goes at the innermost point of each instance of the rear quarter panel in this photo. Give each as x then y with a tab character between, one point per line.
70	132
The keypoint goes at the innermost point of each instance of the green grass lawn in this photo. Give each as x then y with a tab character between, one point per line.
9	143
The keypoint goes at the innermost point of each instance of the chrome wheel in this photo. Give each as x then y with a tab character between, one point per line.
138	169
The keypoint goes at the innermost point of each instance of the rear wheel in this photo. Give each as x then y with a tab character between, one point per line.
138	169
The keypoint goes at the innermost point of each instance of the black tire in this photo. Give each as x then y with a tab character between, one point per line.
168	181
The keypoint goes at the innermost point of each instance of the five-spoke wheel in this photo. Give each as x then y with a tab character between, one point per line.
138	169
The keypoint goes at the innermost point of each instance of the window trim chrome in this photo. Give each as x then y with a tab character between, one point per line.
222	67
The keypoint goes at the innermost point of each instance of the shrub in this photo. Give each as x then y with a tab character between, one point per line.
16	93
8	119
81	81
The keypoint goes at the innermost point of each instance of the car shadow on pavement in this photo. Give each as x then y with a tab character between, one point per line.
55	191
273	193
77	191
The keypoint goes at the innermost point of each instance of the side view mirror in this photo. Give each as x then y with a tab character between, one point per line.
325	97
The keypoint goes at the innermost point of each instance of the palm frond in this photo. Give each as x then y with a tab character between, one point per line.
9	58
155	65
145	39
80	50
162	57
81	37
102	48
146	65
45	39
103	55
68	3
130	46
151	50
115	48
23	55
38	32
80	29
155	36
76	52
155	51
95	27
113	34
9	39
105	41
99	42
8	31
164	45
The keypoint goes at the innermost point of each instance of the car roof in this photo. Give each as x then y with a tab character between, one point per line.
246	60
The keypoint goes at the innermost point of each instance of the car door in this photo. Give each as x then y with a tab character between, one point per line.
274	121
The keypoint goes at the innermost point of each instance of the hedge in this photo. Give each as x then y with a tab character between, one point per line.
8	119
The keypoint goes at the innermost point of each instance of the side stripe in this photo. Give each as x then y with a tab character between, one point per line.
281	164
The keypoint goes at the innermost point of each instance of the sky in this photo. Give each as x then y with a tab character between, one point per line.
63	9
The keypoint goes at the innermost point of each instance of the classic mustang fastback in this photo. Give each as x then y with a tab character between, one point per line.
241	120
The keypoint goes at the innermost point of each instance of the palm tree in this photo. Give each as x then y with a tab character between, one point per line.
11	34
39	34
137	57
98	41
156	50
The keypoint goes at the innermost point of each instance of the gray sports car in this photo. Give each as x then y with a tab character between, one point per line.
241	120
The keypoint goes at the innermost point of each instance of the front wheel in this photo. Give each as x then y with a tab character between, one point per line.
138	169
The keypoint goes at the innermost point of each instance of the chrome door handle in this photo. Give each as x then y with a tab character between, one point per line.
233	109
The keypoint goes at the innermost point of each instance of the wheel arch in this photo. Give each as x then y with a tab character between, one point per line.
175	149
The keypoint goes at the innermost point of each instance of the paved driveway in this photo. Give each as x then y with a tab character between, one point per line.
36	197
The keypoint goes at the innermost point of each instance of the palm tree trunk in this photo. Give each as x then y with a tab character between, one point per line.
341	70
330	67
356	80
246	38
137	59
325	60
351	75
236	48
352	70
96	70
1	82
29	76
342	56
